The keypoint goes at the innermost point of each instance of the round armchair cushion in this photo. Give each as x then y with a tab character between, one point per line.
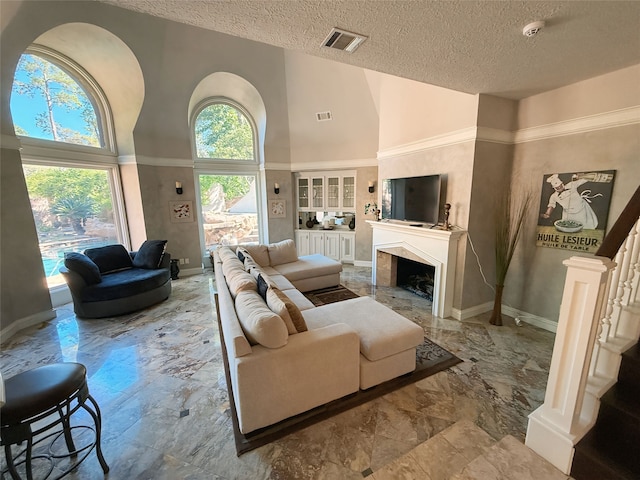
83	266
150	254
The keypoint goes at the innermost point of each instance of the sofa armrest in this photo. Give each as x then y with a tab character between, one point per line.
315	367
74	280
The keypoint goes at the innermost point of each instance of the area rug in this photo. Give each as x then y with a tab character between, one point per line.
430	359
330	295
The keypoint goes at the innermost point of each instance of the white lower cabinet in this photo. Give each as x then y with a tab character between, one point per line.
348	247
316	242
332	245
302	242
337	245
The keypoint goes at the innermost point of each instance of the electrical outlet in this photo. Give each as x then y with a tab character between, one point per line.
186	260
182	261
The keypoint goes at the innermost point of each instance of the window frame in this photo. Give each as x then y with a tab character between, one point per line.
51	153
251	163
94	93
224	166
222	171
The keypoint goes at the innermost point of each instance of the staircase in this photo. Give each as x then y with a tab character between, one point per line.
466	452
610	449
589	423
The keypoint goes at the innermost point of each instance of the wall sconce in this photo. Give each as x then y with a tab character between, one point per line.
371	188
179	188
276	188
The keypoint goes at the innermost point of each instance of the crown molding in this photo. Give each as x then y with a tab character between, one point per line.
333	165
276	166
10	142
601	121
590	123
160	161
438	141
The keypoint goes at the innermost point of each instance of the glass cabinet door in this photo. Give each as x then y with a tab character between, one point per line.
333	193
303	193
348	192
318	192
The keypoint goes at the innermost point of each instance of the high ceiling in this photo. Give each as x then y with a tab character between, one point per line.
469	46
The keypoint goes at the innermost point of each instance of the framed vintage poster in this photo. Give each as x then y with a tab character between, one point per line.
181	212
277	209
574	208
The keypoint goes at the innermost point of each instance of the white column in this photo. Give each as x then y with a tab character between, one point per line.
565	417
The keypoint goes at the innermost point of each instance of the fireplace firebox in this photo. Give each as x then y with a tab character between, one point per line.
416	277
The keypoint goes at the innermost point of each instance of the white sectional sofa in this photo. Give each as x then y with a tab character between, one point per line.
285	356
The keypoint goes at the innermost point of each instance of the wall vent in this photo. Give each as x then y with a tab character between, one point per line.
323	116
343	40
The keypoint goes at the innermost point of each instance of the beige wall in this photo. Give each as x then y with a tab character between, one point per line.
364	233
536	278
281	228
318	85
157	190
606	93
412	111
537	275
23	291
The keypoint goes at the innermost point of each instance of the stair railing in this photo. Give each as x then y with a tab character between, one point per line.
598	321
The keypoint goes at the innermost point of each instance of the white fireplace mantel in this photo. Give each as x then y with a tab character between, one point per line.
434	246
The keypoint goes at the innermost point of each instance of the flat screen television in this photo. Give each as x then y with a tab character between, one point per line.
414	199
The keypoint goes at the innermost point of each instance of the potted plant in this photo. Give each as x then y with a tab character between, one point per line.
509	220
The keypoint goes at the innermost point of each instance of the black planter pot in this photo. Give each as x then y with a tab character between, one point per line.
175	269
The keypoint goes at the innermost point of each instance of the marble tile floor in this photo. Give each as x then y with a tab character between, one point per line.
159	380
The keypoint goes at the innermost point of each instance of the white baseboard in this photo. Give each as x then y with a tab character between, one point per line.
60	295
362	263
471	312
531	319
26	322
525	317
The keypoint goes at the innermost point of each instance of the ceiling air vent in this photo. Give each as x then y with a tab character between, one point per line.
323	116
343	40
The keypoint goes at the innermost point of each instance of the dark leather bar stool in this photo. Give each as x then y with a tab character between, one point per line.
39	400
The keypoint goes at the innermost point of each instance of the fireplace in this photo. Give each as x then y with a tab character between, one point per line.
417	277
435	250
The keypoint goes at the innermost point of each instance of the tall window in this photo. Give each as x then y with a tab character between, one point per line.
73	210
74	202
223	132
229	210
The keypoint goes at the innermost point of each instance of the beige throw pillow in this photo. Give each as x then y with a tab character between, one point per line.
282	305
259	323
259	253
282	252
250	265
225	253
239	280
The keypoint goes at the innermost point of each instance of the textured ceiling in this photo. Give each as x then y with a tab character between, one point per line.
469	46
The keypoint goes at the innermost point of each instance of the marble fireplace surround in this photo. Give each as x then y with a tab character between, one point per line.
431	246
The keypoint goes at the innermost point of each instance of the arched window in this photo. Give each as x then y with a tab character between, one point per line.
50	103
224	132
69	163
226	173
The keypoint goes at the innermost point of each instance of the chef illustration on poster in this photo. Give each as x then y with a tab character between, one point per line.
573	210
